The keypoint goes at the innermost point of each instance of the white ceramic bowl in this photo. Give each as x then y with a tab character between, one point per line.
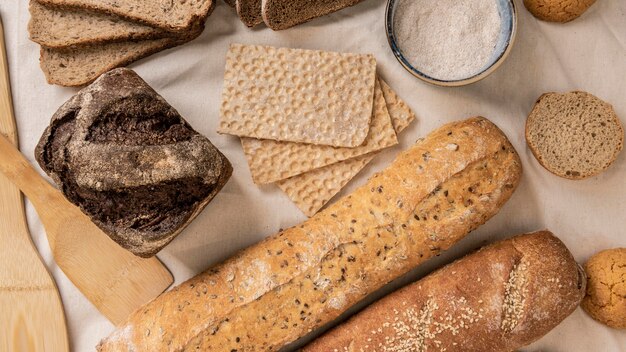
508	13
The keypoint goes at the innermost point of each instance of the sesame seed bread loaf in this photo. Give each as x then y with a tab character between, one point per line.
277	291
501	298
170	15
281	14
54	28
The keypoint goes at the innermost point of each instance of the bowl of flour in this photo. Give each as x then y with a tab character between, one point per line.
451	42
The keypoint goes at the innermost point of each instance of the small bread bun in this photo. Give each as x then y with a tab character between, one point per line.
606	289
557	10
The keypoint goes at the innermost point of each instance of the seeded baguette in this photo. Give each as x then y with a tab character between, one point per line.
277	291
178	16
503	297
54	28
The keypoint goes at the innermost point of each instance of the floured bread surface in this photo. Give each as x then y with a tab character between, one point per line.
271	160
297	95
130	162
311	190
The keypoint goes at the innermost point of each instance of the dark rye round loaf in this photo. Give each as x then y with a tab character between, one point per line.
128	159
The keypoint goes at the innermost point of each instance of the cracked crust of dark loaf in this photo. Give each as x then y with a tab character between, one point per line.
117	113
462	306
278	14
300	279
115	11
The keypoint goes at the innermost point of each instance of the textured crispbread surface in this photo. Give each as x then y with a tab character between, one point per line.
280	14
311	190
126	157
557	10
606	287
501	298
170	15
574	135
55	28
249	11
79	66
272	293
270	161
296	95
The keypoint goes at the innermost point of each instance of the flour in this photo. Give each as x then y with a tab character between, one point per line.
447	39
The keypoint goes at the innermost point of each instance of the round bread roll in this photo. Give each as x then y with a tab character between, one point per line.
574	135
606	288
557	10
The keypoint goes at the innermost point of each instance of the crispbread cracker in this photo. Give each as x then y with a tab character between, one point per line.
310	191
401	114
297	95
271	161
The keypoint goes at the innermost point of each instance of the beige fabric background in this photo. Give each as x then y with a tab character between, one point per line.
588	54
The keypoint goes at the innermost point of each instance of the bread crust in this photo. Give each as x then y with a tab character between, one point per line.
270	294
500	298
105	146
557	10
606	287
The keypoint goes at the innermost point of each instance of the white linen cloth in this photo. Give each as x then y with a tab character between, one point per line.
588	54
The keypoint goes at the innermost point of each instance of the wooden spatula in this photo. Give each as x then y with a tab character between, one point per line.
30	307
113	279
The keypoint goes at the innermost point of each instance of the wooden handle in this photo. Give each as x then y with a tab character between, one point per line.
19	171
7	121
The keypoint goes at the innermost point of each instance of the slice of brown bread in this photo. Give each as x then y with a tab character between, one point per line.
282	14
77	67
574	135
55	28
170	15
249	11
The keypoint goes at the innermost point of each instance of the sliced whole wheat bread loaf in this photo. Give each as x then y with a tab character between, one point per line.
171	15
282	14
574	135
75	67
249	11
55	28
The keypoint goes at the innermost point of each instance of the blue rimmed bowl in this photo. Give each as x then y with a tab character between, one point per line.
508	31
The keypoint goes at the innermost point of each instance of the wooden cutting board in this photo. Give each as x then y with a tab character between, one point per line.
31	313
113	279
